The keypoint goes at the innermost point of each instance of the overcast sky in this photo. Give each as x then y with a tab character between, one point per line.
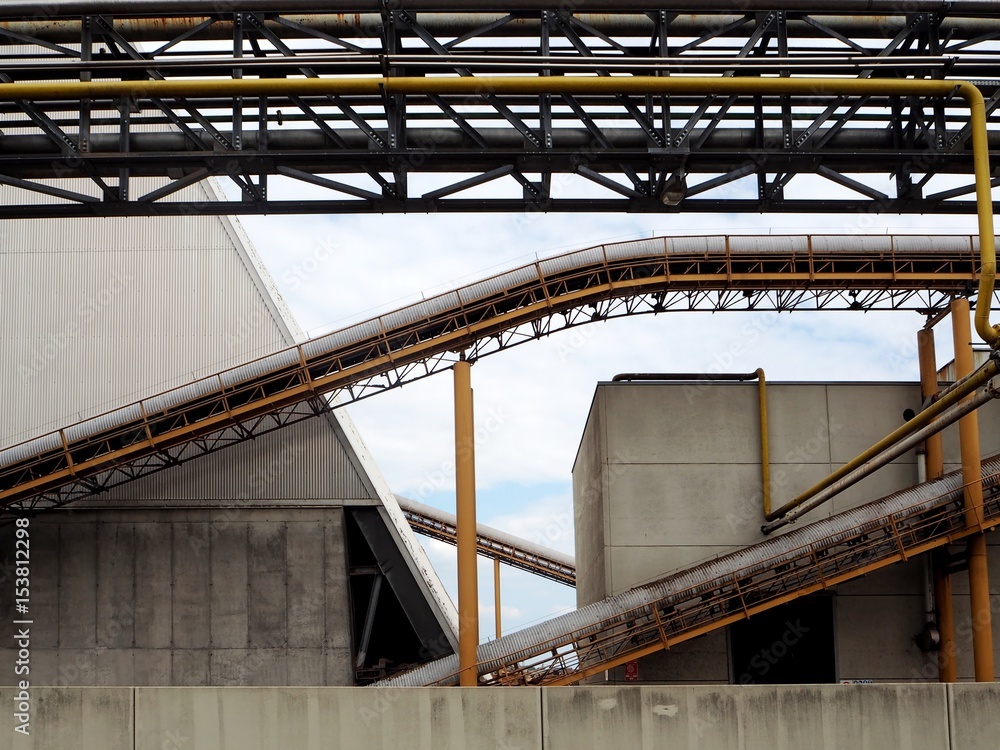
533	400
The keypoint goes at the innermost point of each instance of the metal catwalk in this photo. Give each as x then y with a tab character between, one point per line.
749	273
377	151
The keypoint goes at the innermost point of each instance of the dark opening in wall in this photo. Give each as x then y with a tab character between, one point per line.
790	644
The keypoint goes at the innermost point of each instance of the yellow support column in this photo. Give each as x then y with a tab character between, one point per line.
465	511
934	456
968	431
947	653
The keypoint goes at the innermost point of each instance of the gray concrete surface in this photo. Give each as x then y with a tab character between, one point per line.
972	714
324	718
823	717
64	718
740	717
213	596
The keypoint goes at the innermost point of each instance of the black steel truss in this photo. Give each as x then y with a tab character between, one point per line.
491	152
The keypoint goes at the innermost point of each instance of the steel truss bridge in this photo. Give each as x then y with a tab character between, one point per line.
783	273
136	153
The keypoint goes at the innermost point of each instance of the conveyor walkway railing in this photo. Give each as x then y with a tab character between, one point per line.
643	276
492	543
729	588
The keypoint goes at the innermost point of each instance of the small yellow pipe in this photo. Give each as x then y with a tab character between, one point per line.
476	86
765	451
465	512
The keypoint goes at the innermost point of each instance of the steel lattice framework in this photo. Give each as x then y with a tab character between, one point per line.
491	152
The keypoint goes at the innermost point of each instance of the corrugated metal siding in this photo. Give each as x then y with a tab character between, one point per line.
95	313
302	462
947	373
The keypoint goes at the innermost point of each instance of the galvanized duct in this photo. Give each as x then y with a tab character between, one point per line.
693	582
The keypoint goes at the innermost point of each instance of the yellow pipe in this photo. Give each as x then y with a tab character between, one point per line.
968	434
979	601
765	451
968	426
465	512
934	458
947	652
922	419
475	86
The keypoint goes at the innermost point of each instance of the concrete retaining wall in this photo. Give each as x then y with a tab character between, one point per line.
915	716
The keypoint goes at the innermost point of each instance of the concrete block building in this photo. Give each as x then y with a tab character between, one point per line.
668	474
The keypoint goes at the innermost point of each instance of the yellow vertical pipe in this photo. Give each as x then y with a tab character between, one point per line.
765	451
496	593
934	456
968	432
947	653
465	512
968	426
979	600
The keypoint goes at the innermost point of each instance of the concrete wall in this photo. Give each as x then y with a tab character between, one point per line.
668	474
242	596
917	717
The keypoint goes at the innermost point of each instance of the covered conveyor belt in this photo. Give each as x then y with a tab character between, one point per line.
491	543
644	276
726	589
